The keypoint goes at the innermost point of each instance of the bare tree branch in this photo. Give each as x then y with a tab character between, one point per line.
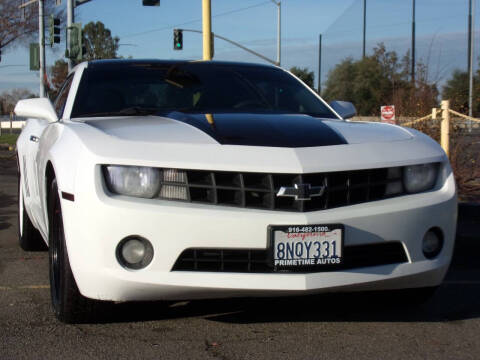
18	26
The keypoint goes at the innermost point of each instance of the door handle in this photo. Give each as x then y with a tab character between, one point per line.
34	138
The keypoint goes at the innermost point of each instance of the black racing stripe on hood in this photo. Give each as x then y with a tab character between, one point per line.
256	129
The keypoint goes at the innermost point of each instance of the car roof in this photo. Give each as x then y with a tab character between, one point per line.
124	63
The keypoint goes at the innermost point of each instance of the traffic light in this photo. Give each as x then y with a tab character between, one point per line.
151	2
54	27
177	39
75	49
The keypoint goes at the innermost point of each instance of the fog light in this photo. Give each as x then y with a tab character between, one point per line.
134	252
432	243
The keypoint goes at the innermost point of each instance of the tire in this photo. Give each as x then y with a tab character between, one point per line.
68	304
29	237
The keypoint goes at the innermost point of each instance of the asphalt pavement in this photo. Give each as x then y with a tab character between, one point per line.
342	326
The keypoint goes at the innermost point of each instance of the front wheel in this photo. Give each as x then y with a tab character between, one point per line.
68	304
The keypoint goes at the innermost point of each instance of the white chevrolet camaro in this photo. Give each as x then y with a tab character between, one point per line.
174	180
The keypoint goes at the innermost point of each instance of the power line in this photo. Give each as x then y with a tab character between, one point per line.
193	21
387	26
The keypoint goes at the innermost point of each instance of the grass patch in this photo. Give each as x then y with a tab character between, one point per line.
9	139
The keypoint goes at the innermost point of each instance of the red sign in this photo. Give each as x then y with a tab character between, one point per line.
388	114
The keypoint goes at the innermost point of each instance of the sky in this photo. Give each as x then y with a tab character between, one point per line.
147	32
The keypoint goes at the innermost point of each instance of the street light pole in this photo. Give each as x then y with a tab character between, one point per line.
413	41
279	31
320	65
471	11
364	27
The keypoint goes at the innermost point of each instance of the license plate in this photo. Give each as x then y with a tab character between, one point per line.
306	245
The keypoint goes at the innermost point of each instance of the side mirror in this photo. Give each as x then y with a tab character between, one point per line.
40	108
344	108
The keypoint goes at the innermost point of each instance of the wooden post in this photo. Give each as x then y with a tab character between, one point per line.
445	127
11	121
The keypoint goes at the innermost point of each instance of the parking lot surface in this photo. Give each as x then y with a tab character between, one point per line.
341	326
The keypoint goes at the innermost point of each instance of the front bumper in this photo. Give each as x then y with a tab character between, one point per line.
95	223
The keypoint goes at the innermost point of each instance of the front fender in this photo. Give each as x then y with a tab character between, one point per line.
61	148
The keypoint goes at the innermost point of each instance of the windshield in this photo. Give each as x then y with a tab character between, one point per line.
193	87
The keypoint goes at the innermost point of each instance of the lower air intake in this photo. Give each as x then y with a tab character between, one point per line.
257	261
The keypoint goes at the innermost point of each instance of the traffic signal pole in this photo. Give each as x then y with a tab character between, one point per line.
41	39
207	29
70	20
233	43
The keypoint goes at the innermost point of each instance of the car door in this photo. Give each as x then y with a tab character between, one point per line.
35	137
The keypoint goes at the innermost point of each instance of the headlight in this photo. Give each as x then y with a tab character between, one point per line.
419	178
136	181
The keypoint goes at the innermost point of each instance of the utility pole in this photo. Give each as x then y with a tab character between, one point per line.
413	41
364	26
41	39
319	88
279	31
70	20
207	29
471	21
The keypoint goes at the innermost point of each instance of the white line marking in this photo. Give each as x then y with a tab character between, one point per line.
34	287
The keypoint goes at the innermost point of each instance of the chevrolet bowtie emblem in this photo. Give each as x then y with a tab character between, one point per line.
302	191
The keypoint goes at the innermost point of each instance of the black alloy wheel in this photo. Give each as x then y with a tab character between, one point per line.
69	305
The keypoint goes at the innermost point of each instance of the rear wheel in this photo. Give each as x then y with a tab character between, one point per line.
68	304
29	237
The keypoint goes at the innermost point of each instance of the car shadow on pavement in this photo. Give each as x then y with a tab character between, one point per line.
456	300
5	215
7	200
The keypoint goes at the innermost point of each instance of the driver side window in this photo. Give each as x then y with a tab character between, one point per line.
61	99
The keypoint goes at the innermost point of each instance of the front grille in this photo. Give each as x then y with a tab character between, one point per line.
257	261
259	190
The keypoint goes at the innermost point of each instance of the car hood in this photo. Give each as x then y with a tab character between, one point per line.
271	130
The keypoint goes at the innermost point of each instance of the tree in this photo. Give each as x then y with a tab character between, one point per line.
8	99
456	90
20	25
58	74
98	42
303	74
381	79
